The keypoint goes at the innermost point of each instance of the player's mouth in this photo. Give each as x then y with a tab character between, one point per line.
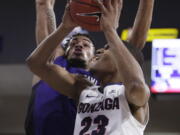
78	52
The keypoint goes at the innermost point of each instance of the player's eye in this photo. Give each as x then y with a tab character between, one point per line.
106	47
99	51
86	45
73	43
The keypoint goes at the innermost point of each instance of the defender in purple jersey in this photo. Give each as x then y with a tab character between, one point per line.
49	112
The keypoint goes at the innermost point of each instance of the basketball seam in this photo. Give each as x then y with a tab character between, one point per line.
85	21
82	20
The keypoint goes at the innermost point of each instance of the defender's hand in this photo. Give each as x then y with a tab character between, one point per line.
67	20
48	3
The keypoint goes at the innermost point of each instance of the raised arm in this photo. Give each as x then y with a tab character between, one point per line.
129	71
45	19
45	25
40	65
142	24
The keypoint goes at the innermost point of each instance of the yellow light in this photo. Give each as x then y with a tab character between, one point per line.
155	33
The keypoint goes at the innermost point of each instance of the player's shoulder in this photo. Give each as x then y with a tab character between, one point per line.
113	89
61	61
113	86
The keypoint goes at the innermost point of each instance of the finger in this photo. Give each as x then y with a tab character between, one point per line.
109	4
53	2
120	3
67	6
68	3
117	4
118	7
113	2
101	5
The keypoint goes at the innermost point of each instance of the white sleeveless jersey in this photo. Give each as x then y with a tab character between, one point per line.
106	113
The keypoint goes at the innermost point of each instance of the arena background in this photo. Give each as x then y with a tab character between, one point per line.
17	40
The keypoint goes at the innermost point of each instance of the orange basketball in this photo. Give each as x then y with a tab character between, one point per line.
86	13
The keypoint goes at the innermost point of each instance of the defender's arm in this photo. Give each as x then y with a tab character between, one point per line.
39	62
142	24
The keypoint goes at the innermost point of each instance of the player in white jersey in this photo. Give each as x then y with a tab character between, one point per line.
107	113
111	108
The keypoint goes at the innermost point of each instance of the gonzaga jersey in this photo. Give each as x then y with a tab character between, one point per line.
106	113
49	112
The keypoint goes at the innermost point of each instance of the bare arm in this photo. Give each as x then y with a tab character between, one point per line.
45	19
137	92
142	23
130	72
45	25
39	63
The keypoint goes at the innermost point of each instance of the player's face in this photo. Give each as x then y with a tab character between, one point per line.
81	47
102	61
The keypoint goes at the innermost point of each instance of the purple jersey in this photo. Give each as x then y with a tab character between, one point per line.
49	112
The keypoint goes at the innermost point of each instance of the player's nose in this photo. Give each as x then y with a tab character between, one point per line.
79	46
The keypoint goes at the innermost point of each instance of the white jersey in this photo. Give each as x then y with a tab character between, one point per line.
106	113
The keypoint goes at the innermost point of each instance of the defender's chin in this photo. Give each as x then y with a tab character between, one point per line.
77	57
76	62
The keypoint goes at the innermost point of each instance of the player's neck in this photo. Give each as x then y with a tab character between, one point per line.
77	63
105	78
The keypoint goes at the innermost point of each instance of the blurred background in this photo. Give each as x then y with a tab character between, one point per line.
17	40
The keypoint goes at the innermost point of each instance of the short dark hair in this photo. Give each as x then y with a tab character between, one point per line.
65	46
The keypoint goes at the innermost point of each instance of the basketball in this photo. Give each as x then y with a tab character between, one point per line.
86	13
